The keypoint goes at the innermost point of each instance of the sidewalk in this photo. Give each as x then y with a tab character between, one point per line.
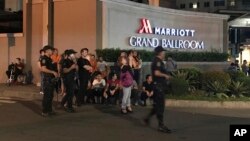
31	92
27	92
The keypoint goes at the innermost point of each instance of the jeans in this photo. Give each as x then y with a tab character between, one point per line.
126	102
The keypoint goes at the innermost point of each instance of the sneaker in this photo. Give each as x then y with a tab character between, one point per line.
129	110
164	129
124	111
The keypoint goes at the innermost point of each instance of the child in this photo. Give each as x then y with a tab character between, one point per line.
147	89
97	88
111	93
102	67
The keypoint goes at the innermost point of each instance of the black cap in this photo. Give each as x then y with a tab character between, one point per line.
159	49
47	48
70	51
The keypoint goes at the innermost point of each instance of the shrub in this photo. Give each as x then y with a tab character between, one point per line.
199	56
111	55
237	88
234	75
179	86
216	87
194	76
246	81
209	78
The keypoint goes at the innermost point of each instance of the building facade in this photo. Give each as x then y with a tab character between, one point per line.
213	6
109	24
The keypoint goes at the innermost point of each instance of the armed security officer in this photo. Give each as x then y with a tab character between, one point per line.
69	68
160	77
48	85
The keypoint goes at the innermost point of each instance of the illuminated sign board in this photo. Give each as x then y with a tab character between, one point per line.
146	28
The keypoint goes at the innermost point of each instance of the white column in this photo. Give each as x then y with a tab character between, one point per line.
20	5
45	22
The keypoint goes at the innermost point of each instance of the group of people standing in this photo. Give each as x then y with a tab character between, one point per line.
89	81
245	67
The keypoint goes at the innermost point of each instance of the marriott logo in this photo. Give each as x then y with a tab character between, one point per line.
146	28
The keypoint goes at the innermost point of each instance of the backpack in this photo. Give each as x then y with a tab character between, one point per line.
126	79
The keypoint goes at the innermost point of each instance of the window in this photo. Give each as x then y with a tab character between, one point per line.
206	4
198	5
245	2
219	3
182	6
139	1
2	5
195	6
190	5
11	16
232	3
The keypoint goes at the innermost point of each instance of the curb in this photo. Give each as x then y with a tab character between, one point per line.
20	94
208	104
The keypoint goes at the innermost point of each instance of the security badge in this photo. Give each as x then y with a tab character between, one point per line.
43	61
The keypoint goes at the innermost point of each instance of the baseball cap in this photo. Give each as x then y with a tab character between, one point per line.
69	51
159	49
47	48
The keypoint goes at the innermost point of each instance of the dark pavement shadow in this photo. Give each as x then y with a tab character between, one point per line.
115	111
34	107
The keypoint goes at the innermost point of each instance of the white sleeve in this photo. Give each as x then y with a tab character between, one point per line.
94	82
103	82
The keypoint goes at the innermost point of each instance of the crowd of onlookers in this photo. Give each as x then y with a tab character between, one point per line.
245	68
101	83
97	82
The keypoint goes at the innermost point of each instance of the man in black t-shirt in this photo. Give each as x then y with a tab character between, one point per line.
85	70
147	89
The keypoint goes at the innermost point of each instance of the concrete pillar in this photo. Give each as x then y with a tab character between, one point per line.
45	21
20	5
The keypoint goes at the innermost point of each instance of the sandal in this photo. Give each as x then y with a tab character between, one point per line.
124	111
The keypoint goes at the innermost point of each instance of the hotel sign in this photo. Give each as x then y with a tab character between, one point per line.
146	28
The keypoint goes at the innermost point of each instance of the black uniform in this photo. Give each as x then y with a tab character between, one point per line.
84	77
69	82
48	85
41	74
159	90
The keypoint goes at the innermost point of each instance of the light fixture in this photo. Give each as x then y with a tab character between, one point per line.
195	6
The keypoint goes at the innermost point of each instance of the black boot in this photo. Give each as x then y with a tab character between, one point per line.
164	129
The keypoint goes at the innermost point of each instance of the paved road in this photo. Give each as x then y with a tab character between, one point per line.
21	121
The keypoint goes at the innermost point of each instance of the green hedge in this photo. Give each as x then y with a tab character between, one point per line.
215	76
111	55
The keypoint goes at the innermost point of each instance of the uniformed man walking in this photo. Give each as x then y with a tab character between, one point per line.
69	68
48	84
160	77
